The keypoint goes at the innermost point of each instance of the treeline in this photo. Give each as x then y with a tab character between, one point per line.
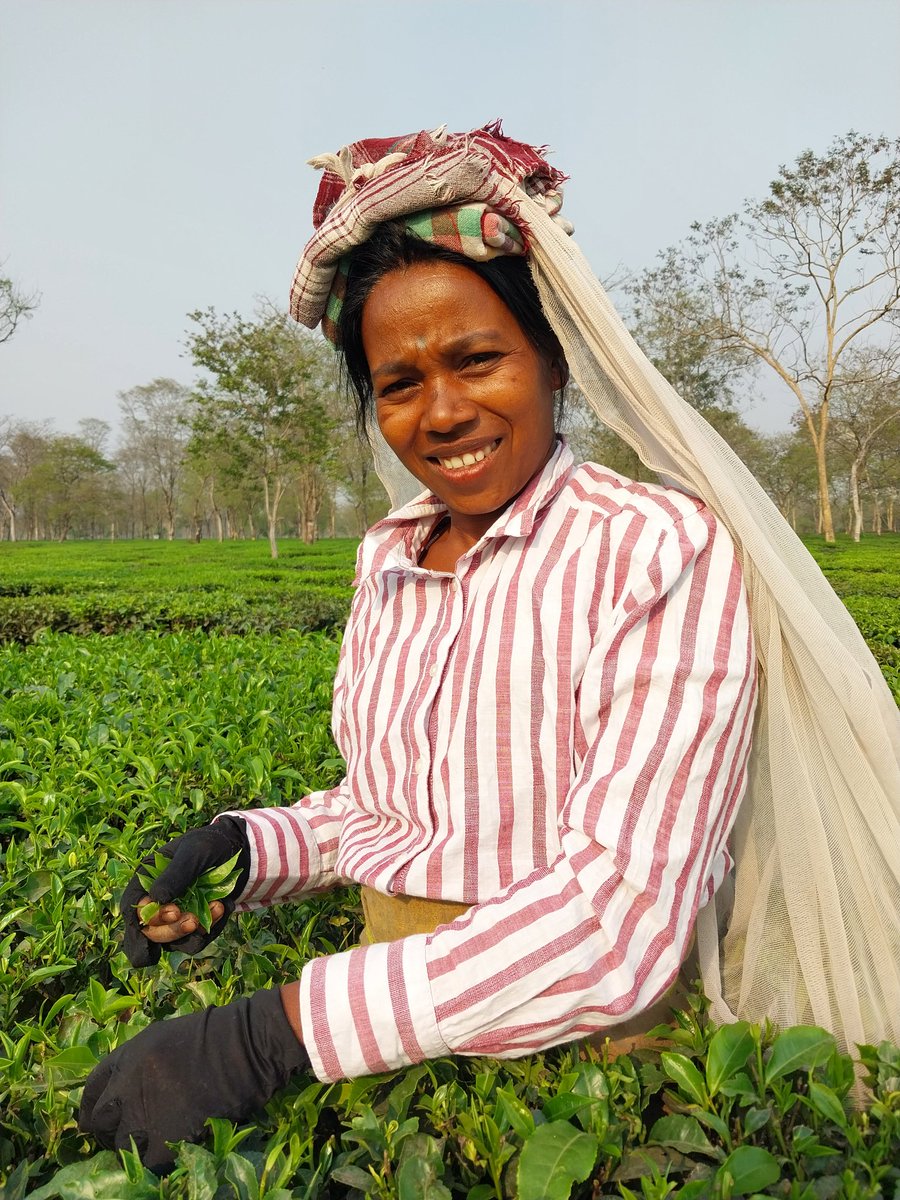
803	285
263	443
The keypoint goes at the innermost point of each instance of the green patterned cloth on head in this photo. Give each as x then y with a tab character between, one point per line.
475	230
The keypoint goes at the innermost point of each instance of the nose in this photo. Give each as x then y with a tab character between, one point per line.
447	407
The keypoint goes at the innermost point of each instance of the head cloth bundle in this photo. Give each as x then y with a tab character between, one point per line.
453	189
814	932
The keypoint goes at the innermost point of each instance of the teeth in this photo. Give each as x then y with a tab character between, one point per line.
467	460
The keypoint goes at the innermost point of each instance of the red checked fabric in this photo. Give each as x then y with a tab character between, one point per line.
381	179
586	822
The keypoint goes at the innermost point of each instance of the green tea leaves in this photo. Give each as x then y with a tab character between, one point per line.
214	884
802	1047
555	1157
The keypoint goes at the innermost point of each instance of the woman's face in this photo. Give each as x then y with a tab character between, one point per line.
462	397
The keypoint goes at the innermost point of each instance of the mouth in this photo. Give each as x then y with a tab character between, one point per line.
471	458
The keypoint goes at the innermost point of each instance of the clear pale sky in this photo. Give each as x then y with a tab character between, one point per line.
152	152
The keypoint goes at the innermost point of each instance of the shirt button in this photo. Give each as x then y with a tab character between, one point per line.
419	766
432	671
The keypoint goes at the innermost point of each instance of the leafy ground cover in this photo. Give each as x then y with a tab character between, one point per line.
233	587
111	744
867	578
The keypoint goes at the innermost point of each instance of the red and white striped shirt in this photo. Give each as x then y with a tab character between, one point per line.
555	733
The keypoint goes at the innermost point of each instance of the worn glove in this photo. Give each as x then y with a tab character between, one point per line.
164	1083
194	852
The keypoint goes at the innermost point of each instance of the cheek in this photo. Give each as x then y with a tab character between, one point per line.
396	426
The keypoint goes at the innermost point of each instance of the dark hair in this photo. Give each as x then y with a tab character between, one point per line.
393	247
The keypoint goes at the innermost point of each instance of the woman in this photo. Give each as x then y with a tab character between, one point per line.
545	693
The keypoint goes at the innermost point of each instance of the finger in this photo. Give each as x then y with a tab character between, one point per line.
162	935
167	915
94	1087
157	1157
124	1136
138	950
178	876
106	1121
198	940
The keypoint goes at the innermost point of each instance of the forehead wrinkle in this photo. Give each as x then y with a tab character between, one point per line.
453	345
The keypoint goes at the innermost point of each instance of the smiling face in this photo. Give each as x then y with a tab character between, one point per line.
462	397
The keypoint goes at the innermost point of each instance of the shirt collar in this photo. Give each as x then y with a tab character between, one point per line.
516	521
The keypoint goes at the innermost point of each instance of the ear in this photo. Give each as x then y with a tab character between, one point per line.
559	374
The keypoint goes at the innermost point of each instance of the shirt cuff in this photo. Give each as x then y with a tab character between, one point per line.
369	1010
284	857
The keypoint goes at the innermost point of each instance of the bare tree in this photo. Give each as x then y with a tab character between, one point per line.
785	465
154	421
15	306
865	405
669	318
94	433
804	276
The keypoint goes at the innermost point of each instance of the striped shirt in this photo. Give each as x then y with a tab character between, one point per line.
555	733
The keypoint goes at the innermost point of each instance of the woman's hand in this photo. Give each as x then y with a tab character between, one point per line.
171	924
191	855
163	1084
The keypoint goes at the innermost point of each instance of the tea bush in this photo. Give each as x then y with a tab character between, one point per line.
233	587
110	744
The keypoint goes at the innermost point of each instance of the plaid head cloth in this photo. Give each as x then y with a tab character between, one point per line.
458	190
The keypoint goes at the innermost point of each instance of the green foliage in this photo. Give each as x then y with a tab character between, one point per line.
110	744
265	403
866	576
234	587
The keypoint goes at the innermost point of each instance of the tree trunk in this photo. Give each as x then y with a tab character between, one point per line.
11	513
818	435
856	528
876	515
890	513
197	520
169	503
272	499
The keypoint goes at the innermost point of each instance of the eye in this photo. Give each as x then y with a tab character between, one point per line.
481	358
395	387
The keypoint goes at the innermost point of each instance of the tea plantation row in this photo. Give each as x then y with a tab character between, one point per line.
111	743
234	587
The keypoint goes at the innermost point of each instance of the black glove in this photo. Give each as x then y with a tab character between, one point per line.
194	852
163	1084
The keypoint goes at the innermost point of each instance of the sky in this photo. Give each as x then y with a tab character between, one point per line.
153	152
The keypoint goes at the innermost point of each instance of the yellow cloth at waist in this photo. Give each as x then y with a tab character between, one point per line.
390	917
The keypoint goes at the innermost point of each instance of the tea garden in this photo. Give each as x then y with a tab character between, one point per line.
145	687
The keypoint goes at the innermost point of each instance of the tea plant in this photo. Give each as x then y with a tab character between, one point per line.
108	587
